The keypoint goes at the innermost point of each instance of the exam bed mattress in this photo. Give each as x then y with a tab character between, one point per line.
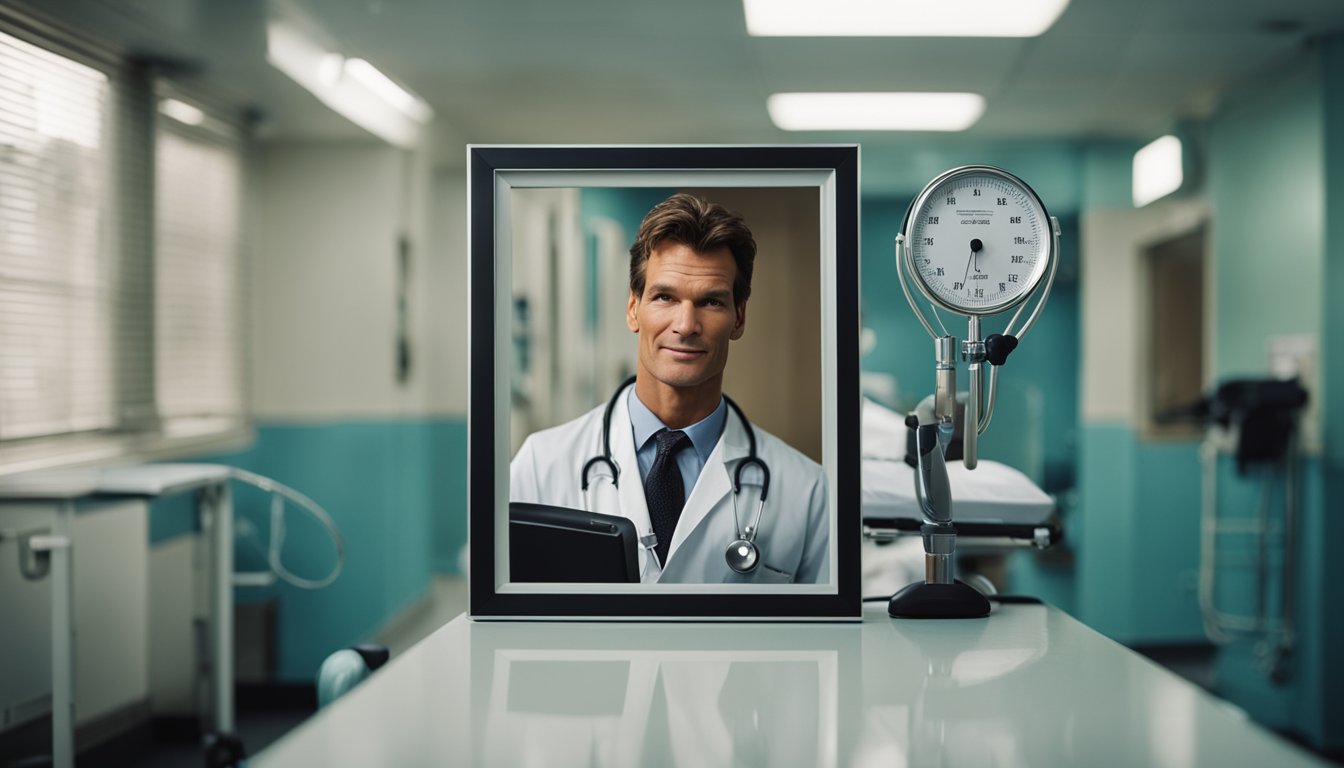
992	493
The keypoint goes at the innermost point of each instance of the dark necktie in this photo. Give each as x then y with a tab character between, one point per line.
663	489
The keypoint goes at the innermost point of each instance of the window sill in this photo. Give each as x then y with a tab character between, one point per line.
176	440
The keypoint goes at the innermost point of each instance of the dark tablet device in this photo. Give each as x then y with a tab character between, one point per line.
570	545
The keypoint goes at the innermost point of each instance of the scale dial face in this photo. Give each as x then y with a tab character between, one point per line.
978	240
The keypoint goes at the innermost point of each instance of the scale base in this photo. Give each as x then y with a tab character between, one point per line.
923	600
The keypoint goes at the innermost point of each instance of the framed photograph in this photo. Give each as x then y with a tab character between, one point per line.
664	382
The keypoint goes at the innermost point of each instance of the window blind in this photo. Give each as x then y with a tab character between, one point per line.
56	271
120	263
198	296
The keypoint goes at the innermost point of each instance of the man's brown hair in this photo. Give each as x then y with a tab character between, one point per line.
703	227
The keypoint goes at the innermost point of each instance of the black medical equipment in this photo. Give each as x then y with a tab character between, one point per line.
559	544
1261	418
1263	411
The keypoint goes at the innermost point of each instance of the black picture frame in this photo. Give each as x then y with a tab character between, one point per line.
492	169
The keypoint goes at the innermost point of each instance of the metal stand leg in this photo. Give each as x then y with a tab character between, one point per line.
62	635
940	595
216	508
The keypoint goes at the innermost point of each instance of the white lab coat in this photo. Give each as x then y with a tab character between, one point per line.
794	530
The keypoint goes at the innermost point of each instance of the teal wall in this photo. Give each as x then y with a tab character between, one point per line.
1267	188
1137	537
448	495
1271	157
900	170
385	484
1275	169
1105	535
1328	527
624	205
1135	529
171	517
1107	175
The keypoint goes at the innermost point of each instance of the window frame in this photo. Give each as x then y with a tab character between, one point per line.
138	431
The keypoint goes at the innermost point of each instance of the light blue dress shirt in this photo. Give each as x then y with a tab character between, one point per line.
704	436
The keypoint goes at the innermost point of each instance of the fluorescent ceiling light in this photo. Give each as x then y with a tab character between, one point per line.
329	68
352	88
1157	170
901	18
875	111
370	77
181	111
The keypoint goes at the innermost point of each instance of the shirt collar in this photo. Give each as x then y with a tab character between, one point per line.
704	433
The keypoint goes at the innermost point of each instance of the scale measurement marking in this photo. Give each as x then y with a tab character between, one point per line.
970	206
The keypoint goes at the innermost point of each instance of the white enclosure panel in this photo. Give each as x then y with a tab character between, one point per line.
173	584
111	612
111	559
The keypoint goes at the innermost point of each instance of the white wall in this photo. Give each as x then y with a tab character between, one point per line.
325	281
1114	300
442	286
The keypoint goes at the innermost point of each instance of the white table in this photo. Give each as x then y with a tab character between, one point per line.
1028	686
64	489
214	509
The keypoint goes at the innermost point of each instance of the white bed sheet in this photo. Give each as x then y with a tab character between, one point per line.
991	493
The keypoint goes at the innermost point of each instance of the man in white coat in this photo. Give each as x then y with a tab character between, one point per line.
690	278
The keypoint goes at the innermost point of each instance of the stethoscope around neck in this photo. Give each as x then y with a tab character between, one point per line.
743	555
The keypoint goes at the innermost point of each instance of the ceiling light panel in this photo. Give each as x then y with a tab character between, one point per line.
372	78
875	111
1158	170
901	18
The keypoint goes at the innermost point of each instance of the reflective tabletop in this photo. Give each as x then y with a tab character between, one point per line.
1028	686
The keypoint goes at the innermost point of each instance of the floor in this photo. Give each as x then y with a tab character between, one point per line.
1195	663
447	600
262	721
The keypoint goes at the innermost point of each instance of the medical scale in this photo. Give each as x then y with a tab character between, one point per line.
976	242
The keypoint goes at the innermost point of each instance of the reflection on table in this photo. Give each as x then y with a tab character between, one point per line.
1027	686
649	709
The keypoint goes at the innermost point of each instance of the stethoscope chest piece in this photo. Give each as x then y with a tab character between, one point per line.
743	556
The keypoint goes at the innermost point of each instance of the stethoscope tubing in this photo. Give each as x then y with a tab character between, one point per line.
752	460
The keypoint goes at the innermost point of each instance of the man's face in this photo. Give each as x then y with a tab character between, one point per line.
686	316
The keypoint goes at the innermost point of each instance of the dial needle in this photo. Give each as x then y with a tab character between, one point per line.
976	245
